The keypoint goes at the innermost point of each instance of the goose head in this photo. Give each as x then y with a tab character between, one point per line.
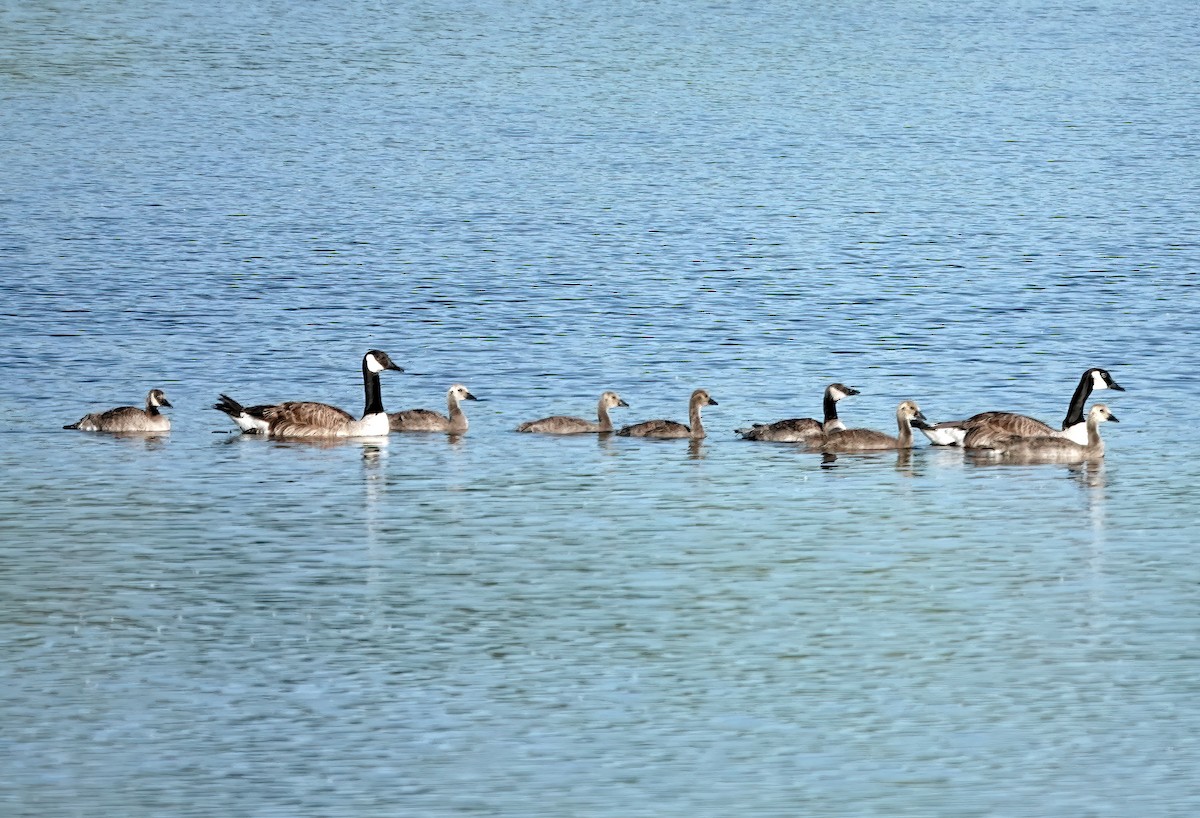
837	391
701	398
611	400
1101	413
376	361
459	392
156	397
908	410
1102	380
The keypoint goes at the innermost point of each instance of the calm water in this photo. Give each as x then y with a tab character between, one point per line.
962	204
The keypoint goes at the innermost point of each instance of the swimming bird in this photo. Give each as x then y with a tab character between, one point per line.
908	414
671	429
316	420
427	420
565	425
803	430
128	418
1056	448
981	429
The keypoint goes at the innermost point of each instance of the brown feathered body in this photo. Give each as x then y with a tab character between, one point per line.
128	418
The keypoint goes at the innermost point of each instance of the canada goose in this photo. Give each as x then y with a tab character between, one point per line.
982	429
427	420
803	430
908	414
564	425
1057	448
128	418
670	428
312	419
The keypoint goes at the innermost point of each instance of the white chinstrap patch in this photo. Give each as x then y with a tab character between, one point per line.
373	365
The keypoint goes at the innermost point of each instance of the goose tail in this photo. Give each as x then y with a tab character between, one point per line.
229	406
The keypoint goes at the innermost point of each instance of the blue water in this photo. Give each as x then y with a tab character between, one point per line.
966	205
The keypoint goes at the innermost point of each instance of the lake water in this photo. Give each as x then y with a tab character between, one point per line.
962	204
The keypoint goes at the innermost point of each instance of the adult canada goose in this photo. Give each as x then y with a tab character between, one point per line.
1056	448
670	428
427	420
312	419
564	425
908	414
803	430
982	429
128	418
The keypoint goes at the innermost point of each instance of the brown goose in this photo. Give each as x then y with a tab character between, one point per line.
427	420
128	418
565	425
986	427
908	414
316	420
1056	448
803	430
671	428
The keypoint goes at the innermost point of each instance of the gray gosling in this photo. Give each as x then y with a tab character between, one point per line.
1056	448
427	420
565	425
309	419
803	430
128	418
981	430
671	428
908	414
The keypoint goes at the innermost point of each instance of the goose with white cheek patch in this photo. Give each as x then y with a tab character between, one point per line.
128	418
672	429
427	420
566	425
310	419
908	415
979	431
803	430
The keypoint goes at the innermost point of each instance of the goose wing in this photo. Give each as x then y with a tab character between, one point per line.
855	440
793	430
418	420
122	419
656	428
559	425
986	428
305	419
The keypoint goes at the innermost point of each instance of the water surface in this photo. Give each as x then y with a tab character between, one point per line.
962	206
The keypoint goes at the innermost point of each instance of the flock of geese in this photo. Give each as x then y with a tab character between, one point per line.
1006	434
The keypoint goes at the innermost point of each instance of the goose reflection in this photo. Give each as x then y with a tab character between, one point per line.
150	441
903	462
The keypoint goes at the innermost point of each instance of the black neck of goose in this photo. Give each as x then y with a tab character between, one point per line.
371	390
830	406
151	409
1078	401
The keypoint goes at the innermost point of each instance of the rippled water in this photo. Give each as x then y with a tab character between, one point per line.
966	206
